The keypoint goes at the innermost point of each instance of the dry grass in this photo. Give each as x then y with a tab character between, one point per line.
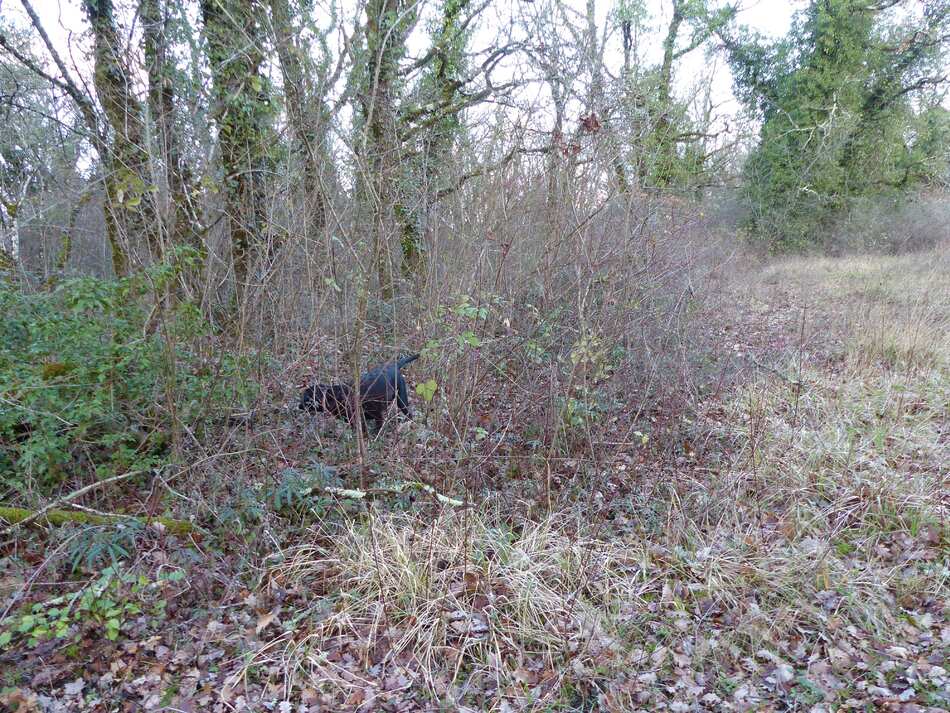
810	567
460	598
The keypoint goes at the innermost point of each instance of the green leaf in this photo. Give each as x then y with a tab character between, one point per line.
469	337
427	390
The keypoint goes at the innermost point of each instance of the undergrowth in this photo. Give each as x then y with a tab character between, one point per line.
816	551
783	542
96	378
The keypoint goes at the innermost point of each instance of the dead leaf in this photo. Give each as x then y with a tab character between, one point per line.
523	675
838	658
356	697
784	673
659	656
20	700
47	675
265	620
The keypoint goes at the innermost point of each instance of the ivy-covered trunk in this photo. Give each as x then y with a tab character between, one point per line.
243	114
178	212
306	114
129	207
388	23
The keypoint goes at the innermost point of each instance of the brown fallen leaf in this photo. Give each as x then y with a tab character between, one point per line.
526	677
265	620
838	658
20	700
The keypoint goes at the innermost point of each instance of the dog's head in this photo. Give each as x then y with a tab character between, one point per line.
314	398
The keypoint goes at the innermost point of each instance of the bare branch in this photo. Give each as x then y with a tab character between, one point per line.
67	84
489	168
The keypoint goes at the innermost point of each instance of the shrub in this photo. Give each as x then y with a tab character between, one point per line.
86	383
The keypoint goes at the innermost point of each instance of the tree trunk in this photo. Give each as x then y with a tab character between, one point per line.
388	23
663	142
243	113
443	84
130	211
306	114
179	214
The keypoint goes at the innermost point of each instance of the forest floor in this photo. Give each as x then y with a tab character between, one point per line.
790	552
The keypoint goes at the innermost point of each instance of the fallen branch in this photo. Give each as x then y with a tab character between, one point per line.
353	494
21	516
66	498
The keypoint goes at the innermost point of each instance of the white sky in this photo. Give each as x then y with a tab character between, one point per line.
62	17
65	22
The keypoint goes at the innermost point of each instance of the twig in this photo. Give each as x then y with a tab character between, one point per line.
801	349
22	593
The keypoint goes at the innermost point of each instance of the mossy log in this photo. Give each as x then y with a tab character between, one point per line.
60	517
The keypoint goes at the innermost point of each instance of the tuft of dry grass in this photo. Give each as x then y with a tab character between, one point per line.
460	600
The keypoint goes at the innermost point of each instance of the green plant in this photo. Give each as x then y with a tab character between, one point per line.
106	603
96	545
461	320
427	389
587	406
299	489
85	379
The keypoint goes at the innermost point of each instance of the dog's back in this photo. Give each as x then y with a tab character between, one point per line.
388	372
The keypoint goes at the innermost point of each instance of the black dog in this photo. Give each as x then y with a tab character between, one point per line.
379	387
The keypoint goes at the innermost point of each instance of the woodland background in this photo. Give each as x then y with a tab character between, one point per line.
680	434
